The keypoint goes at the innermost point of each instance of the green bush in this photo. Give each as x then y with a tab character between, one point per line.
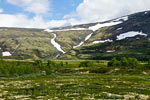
39	63
113	62
100	70
133	62
15	68
124	62
86	64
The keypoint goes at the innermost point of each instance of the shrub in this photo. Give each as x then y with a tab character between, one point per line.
133	62
100	70
39	63
124	62
114	62
86	64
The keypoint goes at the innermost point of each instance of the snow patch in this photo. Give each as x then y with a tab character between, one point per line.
130	34
102	41
71	29
54	43
94	28
98	26
145	12
120	28
125	18
82	42
110	51
88	37
6	54
78	45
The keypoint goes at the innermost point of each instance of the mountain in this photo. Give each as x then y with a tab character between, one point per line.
127	36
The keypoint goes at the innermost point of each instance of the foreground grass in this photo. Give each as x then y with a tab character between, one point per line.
73	82
77	87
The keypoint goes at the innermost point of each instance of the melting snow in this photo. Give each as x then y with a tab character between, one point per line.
82	42
102	41
55	44
130	34
78	44
125	18
94	28
110	51
71	29
120	28
146	12
88	37
6	53
98	26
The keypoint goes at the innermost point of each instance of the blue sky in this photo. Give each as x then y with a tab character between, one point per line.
59	8
56	13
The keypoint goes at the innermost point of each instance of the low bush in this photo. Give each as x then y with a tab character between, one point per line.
124	62
86	64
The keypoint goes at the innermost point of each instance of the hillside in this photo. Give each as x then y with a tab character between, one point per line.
125	36
129	38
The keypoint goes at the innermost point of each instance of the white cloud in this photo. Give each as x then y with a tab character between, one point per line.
21	20
34	6
101	10
88	11
1	10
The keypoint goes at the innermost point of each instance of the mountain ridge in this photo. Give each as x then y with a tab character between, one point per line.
76	40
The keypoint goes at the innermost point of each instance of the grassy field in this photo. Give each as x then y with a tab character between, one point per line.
70	81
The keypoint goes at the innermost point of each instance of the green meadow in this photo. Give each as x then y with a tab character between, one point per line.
74	80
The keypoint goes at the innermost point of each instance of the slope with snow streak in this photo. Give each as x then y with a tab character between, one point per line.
94	28
98	26
130	34
54	43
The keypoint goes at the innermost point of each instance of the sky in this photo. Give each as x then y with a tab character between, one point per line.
56	13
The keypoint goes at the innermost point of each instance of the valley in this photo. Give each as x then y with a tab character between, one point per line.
94	61
71	79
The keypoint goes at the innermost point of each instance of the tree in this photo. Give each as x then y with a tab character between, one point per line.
124	62
39	63
133	62
114	62
86	64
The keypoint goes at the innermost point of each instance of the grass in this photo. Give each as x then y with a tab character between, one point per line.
27	44
73	82
78	87
125	48
68	39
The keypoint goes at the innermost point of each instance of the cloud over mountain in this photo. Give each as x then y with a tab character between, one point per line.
101	10
86	12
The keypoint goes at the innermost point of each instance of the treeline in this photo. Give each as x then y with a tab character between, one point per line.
18	68
48	67
124	62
